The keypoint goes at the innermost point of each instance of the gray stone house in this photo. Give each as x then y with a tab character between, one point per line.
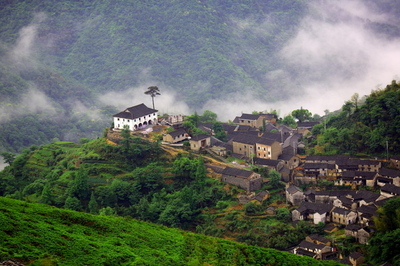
248	180
294	195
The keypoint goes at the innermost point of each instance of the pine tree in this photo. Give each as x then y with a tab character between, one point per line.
93	205
47	195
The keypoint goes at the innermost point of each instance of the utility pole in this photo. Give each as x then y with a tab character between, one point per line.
387	150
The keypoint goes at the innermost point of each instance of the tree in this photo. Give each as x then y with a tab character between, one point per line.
275	179
47	197
283	215
219	131
301	114
80	185
93	205
153	91
388	218
8	157
355	98
208	116
289	121
72	203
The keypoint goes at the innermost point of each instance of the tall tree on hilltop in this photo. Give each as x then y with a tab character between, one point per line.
153	91
301	114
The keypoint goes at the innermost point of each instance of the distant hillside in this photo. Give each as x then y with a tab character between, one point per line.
58	57
370	125
41	235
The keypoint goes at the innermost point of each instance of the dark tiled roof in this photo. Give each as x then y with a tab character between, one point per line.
177	132
367	209
367	196
318	166
369	162
285	128
310	245
261	195
329	227
237	172
292	189
336	193
255	117
319	238
312	207
135	112
252	140
286	157
327	157
392	173
355	255
249	116
303	252
307	124
275	136
353	227
348	163
200	137
266	162
215	168
341	211
392	189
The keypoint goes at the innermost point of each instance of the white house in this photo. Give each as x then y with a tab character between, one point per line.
135	117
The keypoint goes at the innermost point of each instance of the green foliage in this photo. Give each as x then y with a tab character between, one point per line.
289	121
219	131
367	128
283	215
74	238
208	116
388	218
301	114
251	208
275	179
8	157
73	203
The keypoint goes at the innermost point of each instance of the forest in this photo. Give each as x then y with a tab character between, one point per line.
58	58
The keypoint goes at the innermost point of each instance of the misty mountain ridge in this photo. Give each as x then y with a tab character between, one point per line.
66	67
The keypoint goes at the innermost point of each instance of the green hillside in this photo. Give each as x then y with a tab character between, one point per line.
58	57
36	234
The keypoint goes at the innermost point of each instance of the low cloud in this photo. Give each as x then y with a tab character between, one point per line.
36	101
167	102
335	54
22	54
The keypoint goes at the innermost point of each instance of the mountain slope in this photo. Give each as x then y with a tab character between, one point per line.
34	233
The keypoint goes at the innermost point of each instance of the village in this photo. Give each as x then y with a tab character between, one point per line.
359	185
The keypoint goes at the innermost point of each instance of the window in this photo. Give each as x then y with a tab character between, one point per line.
258	147
123	120
128	120
117	119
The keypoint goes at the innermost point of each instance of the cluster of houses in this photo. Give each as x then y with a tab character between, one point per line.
257	139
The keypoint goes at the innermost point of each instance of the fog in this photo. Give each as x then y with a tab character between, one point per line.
333	55
167	102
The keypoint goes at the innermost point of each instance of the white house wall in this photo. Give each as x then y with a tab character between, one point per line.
136	123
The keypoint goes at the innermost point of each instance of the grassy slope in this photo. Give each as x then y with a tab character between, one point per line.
35	233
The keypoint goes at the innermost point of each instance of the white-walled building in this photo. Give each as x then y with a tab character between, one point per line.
135	117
